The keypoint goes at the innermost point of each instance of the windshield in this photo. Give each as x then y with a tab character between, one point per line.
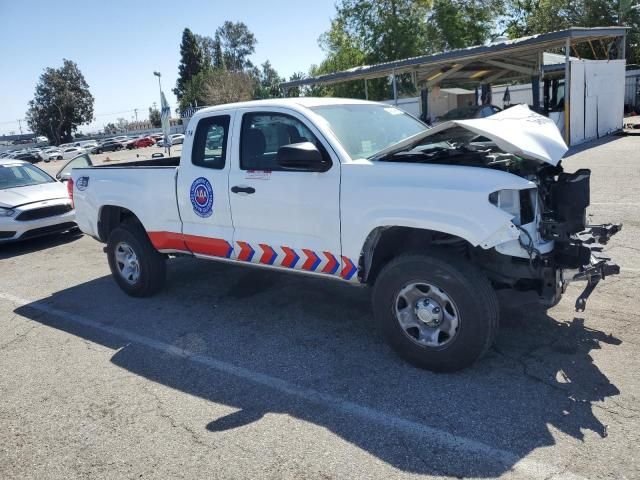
12	176
365	129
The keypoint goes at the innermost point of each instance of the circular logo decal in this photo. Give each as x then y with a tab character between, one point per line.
202	197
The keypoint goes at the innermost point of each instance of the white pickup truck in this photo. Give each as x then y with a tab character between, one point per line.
436	220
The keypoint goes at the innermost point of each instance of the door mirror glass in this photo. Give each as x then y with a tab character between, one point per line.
303	157
80	161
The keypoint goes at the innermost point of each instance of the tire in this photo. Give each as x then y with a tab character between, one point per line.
151	265
445	284
58	157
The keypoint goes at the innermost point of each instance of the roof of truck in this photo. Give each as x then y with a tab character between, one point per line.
306	102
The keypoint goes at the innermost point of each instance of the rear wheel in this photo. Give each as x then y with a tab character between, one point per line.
437	311
137	267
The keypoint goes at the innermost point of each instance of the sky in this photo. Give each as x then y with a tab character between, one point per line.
119	44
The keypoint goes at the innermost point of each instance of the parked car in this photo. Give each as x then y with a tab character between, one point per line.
52	153
140	143
470	111
32	203
86	145
366	194
176	139
72	152
28	157
112	146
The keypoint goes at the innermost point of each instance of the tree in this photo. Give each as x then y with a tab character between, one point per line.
461	23
237	43
528	17
154	117
365	32
297	91
218	86
191	63
218	56
207	46
267	82
195	91
61	103
121	124
110	129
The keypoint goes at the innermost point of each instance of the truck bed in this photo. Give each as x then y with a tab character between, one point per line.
149	193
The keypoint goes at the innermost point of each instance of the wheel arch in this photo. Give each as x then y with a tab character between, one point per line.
387	242
110	217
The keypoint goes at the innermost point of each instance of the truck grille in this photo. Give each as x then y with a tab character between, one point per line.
43	212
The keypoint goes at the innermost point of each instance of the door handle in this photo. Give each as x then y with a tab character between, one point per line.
243	189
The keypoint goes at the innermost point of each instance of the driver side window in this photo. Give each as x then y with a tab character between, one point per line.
262	136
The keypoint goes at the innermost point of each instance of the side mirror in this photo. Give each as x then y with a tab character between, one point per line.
304	157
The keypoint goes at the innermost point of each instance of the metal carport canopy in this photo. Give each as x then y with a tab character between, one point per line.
508	59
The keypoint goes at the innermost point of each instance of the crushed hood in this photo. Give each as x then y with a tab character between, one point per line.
517	130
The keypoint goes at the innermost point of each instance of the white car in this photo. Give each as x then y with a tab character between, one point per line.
176	139
366	194
72	152
32	203
86	145
51	153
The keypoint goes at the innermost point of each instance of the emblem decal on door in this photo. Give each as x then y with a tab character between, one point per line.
202	197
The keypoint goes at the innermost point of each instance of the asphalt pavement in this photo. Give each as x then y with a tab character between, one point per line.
233	372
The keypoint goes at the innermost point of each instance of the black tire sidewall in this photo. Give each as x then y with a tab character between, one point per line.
152	263
475	312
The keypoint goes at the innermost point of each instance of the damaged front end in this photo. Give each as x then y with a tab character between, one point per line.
548	243
577	245
556	246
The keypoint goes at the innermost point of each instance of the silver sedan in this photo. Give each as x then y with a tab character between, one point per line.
32	203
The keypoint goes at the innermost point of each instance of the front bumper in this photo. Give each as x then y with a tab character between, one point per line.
13	230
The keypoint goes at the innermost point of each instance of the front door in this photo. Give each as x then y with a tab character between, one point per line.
288	219
203	186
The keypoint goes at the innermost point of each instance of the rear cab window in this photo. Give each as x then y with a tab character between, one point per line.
210	142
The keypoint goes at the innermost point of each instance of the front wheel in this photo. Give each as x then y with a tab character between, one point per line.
137	267
437	311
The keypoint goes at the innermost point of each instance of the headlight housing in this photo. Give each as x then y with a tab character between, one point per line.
6	212
518	203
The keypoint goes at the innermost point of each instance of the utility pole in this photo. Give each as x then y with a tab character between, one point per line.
136	111
20	125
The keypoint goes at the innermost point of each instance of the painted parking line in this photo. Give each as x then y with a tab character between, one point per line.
443	438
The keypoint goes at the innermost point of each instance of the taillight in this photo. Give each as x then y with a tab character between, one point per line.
70	190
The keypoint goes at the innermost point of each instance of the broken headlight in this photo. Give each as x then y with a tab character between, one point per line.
518	203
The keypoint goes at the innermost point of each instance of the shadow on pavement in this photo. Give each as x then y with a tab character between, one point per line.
593	144
318	336
23	247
